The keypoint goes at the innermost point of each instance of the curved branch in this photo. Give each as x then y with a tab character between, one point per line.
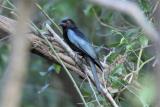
40	47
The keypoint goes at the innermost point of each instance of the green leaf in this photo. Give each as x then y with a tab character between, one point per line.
122	40
58	68
129	47
144	4
144	41
112	57
118	70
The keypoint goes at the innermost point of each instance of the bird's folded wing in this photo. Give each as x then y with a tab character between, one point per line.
81	44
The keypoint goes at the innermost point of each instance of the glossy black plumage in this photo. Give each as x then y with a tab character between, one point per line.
79	43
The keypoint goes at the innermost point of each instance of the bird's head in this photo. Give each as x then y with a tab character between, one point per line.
67	23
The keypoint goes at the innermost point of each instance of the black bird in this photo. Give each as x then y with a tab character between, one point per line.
79	43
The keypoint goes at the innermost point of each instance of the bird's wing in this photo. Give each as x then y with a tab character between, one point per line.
81	43
80	34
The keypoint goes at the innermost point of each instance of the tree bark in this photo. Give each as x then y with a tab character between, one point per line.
39	46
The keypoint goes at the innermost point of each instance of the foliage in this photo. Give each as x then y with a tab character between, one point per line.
129	62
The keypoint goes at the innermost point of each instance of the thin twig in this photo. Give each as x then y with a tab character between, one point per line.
69	74
106	93
11	4
93	91
72	54
147	61
58	56
102	23
4	38
5	7
138	61
40	8
154	9
134	11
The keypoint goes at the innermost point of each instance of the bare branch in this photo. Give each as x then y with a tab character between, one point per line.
134	12
39	47
83	66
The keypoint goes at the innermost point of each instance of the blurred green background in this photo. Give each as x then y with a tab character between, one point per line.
103	27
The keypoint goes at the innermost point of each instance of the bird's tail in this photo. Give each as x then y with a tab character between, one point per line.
95	76
99	65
